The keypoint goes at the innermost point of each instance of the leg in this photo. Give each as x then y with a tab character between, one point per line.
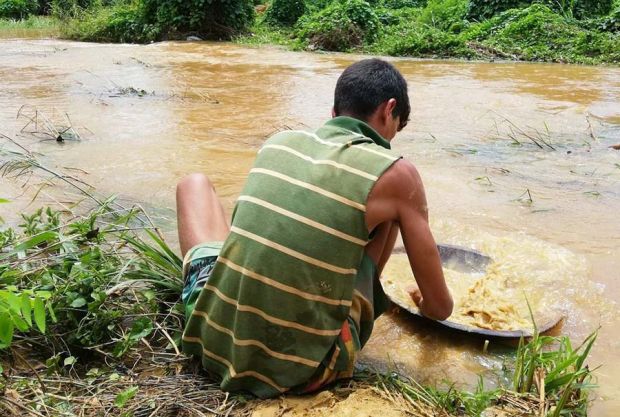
381	246
200	215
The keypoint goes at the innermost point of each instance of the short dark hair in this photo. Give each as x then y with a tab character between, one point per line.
367	84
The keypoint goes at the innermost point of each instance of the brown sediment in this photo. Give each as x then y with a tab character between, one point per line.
485	301
147	143
365	402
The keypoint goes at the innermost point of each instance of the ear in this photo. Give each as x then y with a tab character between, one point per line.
388	110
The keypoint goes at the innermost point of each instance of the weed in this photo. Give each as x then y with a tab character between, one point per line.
110	285
340	26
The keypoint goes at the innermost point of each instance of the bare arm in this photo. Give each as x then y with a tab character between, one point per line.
399	197
436	301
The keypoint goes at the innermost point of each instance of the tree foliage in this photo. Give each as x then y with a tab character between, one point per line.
152	20
285	12
485	9
17	9
340	26
216	18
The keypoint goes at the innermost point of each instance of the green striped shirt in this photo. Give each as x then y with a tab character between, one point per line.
284	281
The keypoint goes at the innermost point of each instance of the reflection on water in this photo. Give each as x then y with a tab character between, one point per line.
150	114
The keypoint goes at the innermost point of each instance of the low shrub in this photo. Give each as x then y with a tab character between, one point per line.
421	40
317	5
150	20
401	4
610	23
340	26
537	33
285	12
121	23
443	14
592	8
485	9
17	9
220	19
73	8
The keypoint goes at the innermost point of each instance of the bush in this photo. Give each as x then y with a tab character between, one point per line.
219	19
420	40
443	14
17	9
149	20
537	33
401	4
121	23
592	8
72	8
317	5
485	9
609	23
340	26
285	12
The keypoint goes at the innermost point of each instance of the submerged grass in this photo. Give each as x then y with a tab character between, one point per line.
549	378
110	343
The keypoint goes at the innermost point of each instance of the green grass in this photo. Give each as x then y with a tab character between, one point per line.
440	30
33	26
102	287
263	34
546	376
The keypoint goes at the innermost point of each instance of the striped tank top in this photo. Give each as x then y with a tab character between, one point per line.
283	284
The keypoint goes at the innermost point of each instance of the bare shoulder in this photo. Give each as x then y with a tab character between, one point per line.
399	180
399	187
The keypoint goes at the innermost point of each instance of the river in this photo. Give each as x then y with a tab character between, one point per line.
515	157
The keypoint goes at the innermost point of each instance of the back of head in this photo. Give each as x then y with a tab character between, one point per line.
365	85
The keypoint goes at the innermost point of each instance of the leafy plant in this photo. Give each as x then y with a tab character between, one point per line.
150	20
22	311
485	9
285	12
17	9
443	14
401	4
559	373
95	273
215	18
537	33
340	26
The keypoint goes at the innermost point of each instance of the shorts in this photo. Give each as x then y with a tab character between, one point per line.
345	350
197	268
340	360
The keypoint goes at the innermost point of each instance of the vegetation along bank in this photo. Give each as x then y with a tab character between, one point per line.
569	31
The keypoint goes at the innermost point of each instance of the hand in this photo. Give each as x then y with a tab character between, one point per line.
415	295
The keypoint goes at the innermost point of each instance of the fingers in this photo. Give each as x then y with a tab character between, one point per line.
415	295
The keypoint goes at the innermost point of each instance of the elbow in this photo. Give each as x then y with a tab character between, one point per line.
445	312
440	311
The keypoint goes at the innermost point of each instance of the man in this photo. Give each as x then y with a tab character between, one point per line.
285	297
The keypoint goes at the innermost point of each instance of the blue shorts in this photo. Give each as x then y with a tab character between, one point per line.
197	268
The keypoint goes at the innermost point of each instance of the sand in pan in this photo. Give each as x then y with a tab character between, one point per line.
491	300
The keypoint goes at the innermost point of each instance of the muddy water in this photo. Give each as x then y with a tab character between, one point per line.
150	114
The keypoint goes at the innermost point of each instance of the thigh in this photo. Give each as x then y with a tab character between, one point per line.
200	215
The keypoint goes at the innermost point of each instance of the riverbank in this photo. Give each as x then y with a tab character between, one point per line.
461	29
149	114
91	324
442	30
